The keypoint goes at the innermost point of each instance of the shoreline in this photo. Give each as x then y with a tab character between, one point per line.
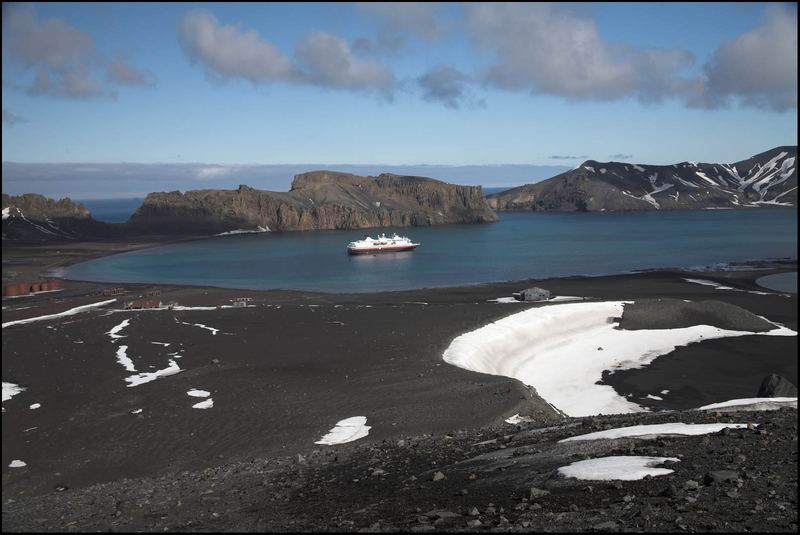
104	249
282	373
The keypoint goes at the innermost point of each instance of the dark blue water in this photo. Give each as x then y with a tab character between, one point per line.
112	210
520	246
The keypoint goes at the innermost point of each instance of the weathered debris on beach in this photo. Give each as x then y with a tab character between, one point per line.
114	291
532	294
242	301
143	303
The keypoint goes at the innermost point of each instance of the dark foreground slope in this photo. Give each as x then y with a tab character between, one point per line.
500	478
318	200
767	179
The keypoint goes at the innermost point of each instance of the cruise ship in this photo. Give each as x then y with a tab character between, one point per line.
381	244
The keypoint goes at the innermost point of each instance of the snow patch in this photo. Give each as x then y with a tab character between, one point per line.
517	419
704	282
146	377
257	230
123	359
504	300
35	406
655	430
562	351
10	390
207	404
70	312
206	327
754	403
195	393
16	463
114	330
346	430
618	467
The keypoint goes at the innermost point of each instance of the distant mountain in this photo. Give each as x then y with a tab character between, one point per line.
317	200
767	179
33	217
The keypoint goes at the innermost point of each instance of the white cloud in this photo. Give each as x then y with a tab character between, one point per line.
759	66
549	49
11	119
227	50
328	61
123	73
546	49
445	85
398	19
325	60
62	56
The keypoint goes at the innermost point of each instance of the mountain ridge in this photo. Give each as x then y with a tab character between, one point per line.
768	178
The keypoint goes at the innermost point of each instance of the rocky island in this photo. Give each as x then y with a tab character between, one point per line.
318	200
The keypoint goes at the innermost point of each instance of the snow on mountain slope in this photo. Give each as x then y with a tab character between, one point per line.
767	179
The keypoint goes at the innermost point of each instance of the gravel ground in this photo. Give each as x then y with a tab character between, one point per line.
500	478
438	456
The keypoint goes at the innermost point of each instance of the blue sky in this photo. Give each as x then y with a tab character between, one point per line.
387	84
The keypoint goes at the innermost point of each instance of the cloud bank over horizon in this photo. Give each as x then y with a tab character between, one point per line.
127	180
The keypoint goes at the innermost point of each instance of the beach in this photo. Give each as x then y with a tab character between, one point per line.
284	369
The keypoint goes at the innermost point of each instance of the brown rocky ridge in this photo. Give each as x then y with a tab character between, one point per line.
318	200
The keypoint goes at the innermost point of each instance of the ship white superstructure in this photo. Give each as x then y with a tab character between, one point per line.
381	244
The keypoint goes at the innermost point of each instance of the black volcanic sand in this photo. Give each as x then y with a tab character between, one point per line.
283	372
501	478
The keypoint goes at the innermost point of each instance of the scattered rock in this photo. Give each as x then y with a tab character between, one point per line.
537	493
721	476
438	476
691	485
606	526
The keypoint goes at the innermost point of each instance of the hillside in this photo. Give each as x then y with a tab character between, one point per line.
767	179
33	217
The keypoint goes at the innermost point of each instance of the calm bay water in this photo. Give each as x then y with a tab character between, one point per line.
520	246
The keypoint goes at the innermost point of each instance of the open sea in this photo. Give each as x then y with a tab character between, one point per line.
520	246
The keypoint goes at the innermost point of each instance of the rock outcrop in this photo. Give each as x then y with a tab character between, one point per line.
33	217
317	200
775	386
767	179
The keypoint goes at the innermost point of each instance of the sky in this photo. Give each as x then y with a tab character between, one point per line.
180	96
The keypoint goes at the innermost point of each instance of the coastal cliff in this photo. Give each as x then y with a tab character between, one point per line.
318	200
33	217
767	179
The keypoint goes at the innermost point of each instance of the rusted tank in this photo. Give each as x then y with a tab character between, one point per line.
55	284
16	288
44	286
36	286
